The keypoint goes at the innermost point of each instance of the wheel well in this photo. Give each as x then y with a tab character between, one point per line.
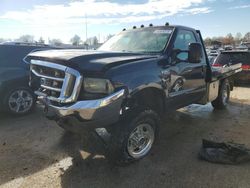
9	87
150	97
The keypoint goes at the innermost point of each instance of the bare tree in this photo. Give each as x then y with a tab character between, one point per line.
55	42
219	39
4	40
75	40
92	41
228	40
238	38
41	40
26	38
247	37
208	41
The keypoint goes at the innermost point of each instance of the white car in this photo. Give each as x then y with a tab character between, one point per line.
213	53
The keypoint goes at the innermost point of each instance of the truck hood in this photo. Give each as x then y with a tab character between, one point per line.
83	60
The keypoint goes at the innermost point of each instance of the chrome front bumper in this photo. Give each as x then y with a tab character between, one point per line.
94	113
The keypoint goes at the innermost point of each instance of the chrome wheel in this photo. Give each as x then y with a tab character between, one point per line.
225	95
20	101
140	141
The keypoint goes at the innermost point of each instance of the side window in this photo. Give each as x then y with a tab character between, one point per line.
182	41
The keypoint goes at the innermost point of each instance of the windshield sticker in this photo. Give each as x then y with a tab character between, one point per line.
163	31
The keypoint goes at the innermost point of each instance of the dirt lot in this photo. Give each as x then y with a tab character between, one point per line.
35	152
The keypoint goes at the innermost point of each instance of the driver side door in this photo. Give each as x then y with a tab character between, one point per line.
187	79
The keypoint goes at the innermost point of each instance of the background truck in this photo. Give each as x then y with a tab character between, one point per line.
124	87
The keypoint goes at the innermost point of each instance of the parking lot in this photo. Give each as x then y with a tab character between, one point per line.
36	152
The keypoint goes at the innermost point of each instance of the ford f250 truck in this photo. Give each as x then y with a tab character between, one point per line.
125	86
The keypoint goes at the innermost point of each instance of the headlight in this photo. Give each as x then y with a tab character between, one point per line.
96	85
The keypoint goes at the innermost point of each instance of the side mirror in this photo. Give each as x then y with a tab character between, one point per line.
194	53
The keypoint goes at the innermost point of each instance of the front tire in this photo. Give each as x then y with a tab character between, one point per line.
133	138
223	97
19	101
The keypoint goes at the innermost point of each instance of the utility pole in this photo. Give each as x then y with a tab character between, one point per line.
86	29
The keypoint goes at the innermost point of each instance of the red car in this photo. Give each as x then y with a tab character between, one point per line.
227	58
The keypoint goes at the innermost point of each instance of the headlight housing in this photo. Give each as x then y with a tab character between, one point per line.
97	85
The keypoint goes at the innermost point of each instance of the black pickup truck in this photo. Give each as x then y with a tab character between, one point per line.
124	87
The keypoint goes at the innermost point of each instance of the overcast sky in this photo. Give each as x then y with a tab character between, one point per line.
62	19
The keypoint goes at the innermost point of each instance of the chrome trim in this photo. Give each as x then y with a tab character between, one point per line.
51	88
71	77
48	64
90	109
40	94
109	99
48	77
77	87
238	70
44	95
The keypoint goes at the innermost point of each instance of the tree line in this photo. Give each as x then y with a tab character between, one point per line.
75	40
229	39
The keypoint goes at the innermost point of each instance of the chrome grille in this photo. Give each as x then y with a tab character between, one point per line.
57	82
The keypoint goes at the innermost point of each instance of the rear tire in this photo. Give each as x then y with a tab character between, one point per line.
133	138
223	97
19	101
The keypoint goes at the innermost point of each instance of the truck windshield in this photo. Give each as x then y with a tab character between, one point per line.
148	40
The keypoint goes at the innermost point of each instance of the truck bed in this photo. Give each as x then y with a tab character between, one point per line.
224	72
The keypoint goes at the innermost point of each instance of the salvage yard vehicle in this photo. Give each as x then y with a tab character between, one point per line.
124	87
228	58
15	95
213	53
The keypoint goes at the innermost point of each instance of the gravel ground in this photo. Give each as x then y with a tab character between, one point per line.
35	152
